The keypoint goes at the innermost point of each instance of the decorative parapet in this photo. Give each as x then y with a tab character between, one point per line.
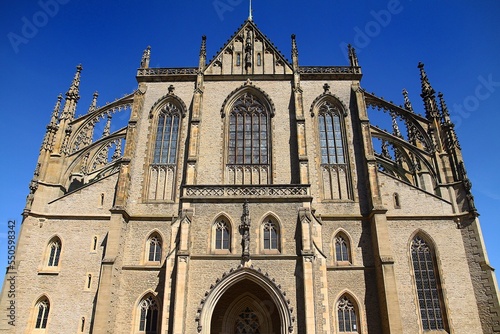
157	74
246	191
347	72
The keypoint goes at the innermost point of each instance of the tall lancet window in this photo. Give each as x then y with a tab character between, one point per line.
163	167
248	147
430	299
334	162
167	135
148	316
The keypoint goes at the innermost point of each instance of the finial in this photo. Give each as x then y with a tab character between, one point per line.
146	55
73	91
250	16
55	113
295	51
395	127
203	49
93	105
385	150
445	114
353	58
107	128
428	94
408	105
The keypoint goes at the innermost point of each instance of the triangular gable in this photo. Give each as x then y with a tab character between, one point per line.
248	52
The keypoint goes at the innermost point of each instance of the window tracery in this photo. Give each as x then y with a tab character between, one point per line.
54	253
148	322
342	249
271	235
347	319
154	247
43	308
222	235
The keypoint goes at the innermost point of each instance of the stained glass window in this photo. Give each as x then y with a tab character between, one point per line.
167	135
270	235
148	322
248	132
43	314
330	135
348	323
154	248
222	236
427	281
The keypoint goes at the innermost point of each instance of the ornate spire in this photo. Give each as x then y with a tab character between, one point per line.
408	105
250	16
145	57
74	90
295	51
428	94
445	114
93	105
48	140
353	58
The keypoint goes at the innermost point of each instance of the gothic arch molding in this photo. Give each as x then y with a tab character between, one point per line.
217	290
162	101
263	97
327	96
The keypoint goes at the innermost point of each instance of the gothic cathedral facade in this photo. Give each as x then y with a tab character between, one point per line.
251	194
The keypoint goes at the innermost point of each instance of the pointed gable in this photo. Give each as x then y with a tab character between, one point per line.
248	52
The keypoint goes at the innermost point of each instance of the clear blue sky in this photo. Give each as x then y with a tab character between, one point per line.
40	45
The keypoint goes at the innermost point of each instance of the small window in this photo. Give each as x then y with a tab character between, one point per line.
83	325
54	253
89	281
238	59
42	308
94	243
222	235
347	320
397	203
148	322
154	243
259	59
341	249
271	233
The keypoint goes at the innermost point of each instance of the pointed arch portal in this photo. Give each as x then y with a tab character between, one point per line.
245	301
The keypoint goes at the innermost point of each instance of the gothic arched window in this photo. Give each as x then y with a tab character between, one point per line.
330	133
42	313
167	135
430	300
148	312
54	250
332	150
154	248
271	235
222	235
342	248
347	318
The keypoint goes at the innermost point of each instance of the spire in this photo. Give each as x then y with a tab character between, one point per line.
353	58
428	94
203	53
408	105
93	105
146	55
250	16
74	90
445	114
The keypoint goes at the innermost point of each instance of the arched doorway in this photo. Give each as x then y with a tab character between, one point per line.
245	308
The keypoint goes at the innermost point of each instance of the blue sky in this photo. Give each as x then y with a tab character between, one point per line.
41	42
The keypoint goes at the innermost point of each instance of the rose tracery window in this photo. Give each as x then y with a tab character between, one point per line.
430	300
247	322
